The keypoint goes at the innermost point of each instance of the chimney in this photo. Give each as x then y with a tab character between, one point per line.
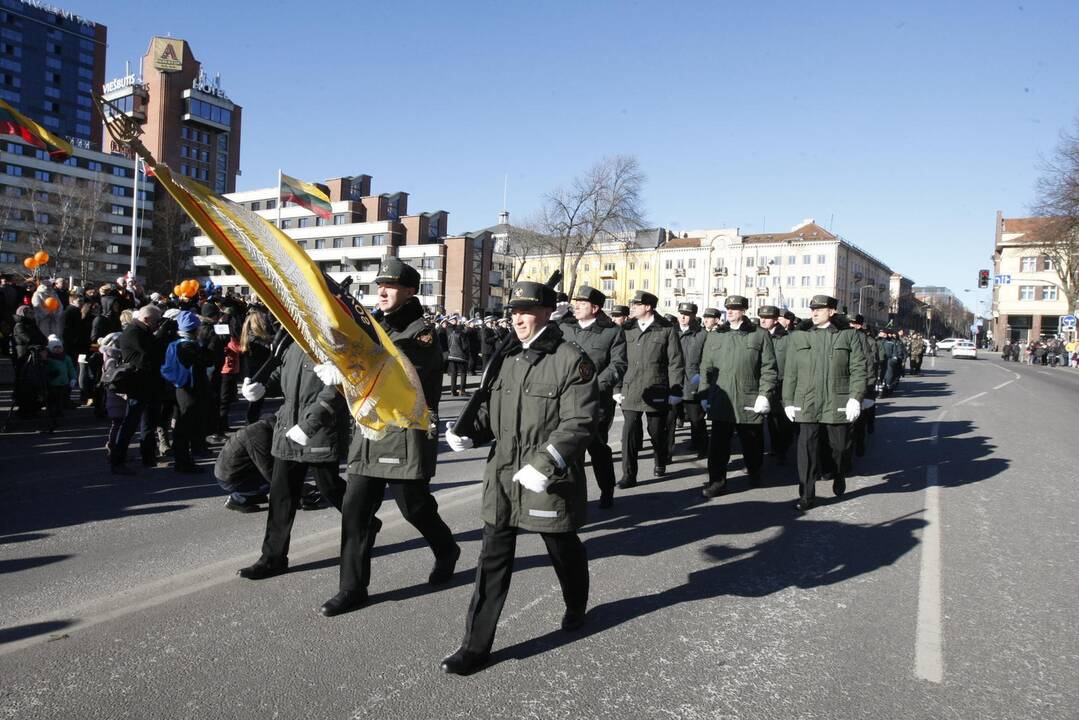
504	217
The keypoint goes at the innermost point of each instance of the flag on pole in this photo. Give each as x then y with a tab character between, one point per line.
12	122
307	195
381	386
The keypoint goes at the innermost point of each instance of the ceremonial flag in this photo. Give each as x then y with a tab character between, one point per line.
12	122
381	386
304	194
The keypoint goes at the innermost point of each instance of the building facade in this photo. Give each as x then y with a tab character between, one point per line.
188	120
1029	305
80	211
364	230
50	62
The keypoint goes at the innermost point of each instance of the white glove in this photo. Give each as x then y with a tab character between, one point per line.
329	374
674	399
532	479
296	435
761	406
618	398
790	411
852	410
705	405
457	443
252	391
868	403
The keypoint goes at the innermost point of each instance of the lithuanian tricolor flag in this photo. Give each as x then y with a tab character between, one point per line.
307	195
12	122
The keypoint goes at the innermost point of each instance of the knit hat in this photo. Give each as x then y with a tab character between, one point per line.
54	344
187	321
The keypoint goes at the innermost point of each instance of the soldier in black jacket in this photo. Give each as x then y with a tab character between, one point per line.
402	459
143	352
311	432
691	336
605	344
780	428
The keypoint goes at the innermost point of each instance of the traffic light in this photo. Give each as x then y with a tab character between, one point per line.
983	278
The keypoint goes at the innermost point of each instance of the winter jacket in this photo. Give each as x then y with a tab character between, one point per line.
247	453
62	371
27	334
405	454
692	341
655	369
319	410
825	368
459	348
736	367
145	353
605	344
542	412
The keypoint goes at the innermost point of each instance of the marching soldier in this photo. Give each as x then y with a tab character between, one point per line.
823	385
402	459
691	336
780	428
710	319
541	416
619	315
787	321
605	344
738	372
653	383
873	356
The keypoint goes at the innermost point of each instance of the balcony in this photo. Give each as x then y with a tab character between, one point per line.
764	270
719	291
762	292
719	272
679	292
608	274
679	272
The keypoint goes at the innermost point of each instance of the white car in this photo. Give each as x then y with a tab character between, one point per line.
964	349
947	343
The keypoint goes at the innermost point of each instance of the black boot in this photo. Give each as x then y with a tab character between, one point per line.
464	662
264	569
343	602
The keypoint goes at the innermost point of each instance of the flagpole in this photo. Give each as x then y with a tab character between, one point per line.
135	222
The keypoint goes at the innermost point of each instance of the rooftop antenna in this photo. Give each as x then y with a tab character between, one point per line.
830	221
505	190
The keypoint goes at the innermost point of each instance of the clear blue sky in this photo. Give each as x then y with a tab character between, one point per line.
910	122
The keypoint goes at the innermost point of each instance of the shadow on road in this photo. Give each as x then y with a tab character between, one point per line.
17	564
19	632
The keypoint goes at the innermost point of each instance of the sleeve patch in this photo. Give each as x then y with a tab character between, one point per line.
426	337
586	368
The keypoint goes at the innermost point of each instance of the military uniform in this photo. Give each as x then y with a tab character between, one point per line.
654	375
825	370
866	420
780	428
541	416
605	344
737	368
402	459
691	338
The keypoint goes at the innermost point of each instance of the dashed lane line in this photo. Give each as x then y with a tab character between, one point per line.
928	641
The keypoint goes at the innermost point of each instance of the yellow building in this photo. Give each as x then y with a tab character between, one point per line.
618	268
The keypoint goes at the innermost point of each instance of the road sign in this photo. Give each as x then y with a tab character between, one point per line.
1067	322
1002	279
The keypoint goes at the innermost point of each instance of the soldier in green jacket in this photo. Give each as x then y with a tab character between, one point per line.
780	429
541	417
873	357
605	344
402	459
710	319
652	385
691	336
738	372
824	383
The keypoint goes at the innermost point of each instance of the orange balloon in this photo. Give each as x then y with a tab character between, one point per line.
177	291
51	304
41	257
29	263
192	287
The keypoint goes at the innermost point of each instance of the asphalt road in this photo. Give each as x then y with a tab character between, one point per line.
943	584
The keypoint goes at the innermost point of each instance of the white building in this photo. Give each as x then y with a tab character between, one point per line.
1031	303
49	203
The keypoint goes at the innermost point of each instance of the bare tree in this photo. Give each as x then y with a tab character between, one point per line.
524	243
66	220
169	256
596	206
1058	203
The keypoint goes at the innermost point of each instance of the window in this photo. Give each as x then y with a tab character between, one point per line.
41	218
112	249
1026	292
632	284
608	267
805	302
118	230
806	259
185	133
667	282
750	262
52	92
9	236
1047	263
762	281
320	243
749	281
302	244
338	242
633	266
271	204
119	171
15	170
50	121
805	281
820	281
340	219
427	288
822	259
303	222
54	63
608	286
689	282
777	281
378	239
357	241
256	205
285	224
7	257
118	190
320	221
791	280
647	266
43	175
644	283
1049	293
1029	264
669	264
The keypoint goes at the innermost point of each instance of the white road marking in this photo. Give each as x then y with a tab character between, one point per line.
933	361
928	644
1006	382
972	397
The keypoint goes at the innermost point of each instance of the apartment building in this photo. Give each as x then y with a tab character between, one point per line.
1028	299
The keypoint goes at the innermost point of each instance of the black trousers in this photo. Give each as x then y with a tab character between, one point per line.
600	451
633	439
780	429
692	413
494	570
228	396
362	500
719	449
458	369
821	447
286	486
189	416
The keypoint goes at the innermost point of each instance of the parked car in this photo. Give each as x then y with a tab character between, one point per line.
947	343
964	349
